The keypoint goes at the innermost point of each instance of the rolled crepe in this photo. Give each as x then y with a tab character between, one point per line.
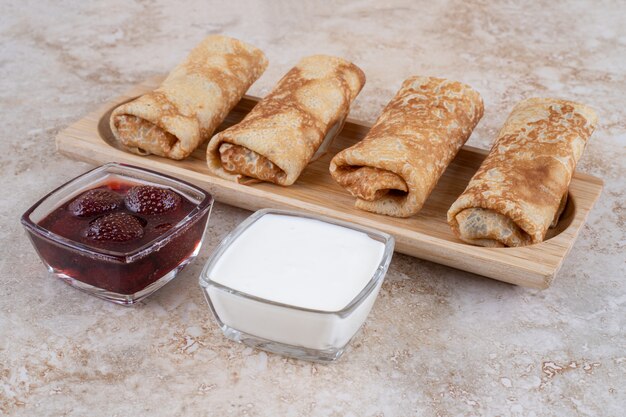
395	167
289	127
183	113
521	187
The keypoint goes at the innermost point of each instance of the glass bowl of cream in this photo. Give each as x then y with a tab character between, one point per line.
296	284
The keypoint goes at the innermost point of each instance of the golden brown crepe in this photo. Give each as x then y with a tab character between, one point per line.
289	127
194	99
521	188
395	167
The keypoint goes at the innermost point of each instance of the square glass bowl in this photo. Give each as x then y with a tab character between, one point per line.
304	333
123	277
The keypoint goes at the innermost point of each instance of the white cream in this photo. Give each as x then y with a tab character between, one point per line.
299	262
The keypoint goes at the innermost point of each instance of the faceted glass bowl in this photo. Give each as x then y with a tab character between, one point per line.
302	333
120	277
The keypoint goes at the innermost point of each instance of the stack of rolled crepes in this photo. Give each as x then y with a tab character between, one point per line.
284	131
520	190
183	113
395	167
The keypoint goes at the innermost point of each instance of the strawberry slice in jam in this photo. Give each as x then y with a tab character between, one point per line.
115	227
95	202
147	199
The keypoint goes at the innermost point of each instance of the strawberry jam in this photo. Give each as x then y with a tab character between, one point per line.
116	219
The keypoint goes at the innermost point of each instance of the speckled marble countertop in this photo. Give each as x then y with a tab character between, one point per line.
439	342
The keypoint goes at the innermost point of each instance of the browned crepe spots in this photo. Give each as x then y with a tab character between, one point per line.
288	126
194	99
413	141
525	177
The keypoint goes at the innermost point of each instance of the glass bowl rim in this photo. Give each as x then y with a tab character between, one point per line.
345	311
117	256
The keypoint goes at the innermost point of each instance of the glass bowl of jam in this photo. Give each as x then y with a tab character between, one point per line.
119	232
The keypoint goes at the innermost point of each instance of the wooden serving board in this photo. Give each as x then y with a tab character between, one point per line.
426	235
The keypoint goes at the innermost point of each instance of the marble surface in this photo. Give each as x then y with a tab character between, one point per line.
439	342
